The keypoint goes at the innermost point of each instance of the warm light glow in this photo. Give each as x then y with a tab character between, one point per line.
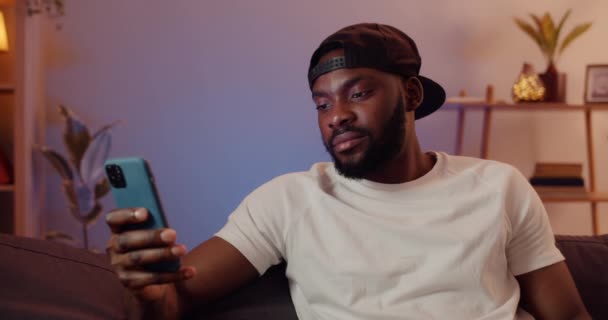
3	34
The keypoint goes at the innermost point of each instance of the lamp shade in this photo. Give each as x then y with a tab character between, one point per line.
3	34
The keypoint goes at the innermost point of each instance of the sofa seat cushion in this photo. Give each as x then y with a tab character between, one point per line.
46	280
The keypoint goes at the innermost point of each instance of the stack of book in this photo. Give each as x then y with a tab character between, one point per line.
558	177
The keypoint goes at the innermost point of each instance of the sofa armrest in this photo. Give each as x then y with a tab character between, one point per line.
42	279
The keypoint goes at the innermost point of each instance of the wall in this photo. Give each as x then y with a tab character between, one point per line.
214	94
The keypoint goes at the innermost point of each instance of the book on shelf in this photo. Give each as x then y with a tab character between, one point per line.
557	181
554	169
561	190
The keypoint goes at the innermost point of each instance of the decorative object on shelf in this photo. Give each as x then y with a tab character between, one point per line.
84	181
53	8
6	172
596	83
3	34
547	36
528	87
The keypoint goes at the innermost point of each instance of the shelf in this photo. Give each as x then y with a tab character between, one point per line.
573	197
6	88
531	106
7	188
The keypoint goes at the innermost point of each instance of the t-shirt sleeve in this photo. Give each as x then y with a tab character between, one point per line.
255	229
531	245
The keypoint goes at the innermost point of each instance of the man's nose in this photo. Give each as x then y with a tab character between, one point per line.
342	116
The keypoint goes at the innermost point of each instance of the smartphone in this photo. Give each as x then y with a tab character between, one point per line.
132	186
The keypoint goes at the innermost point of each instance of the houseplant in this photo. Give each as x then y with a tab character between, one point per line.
84	181
546	34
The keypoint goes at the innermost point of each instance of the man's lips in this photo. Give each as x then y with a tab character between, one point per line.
347	140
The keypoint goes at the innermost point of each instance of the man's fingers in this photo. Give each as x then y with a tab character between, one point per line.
139	279
139	239
118	218
136	259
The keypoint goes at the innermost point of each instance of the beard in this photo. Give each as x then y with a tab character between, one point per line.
380	151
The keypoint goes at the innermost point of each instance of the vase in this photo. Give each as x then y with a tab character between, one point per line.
555	84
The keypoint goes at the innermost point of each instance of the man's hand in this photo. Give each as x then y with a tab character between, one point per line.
131	250
166	295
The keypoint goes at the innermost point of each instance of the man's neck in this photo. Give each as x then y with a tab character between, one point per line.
408	165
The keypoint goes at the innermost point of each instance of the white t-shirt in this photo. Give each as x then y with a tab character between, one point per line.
445	246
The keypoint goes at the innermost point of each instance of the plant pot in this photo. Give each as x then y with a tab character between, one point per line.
555	84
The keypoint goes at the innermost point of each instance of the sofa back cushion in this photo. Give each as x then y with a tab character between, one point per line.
45	280
266	298
587	259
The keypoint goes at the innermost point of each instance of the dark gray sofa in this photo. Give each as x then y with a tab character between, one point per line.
46	280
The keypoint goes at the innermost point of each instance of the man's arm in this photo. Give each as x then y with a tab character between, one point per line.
221	269
550	293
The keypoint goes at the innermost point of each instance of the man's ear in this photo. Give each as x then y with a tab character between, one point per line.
414	93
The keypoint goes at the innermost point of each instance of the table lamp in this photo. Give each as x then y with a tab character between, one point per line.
3	34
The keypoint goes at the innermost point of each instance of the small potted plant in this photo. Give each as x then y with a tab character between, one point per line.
83	177
546	34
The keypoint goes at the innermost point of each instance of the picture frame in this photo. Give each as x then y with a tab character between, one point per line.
596	83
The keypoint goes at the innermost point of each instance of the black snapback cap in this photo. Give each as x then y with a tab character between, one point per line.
381	47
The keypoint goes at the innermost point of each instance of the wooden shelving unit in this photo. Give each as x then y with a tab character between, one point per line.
21	114
6	88
7	127
588	197
592	197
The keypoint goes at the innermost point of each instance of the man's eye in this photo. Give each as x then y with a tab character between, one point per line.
359	95
322	107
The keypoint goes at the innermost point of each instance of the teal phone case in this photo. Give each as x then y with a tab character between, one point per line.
140	191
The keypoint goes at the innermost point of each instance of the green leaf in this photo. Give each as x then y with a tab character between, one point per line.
91	165
92	216
548	29
75	136
558	30
105	128
102	188
529	30
58	162
80	199
539	25
575	33
69	190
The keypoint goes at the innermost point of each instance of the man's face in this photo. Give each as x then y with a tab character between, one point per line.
361	116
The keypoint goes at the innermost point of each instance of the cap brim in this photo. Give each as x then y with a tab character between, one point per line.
434	98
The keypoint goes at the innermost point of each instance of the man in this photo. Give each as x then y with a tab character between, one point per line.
388	231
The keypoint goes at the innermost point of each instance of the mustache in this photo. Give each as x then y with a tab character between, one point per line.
345	129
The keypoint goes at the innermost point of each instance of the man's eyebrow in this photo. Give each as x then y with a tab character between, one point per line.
346	85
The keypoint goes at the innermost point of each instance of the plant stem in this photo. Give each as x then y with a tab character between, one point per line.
85	236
